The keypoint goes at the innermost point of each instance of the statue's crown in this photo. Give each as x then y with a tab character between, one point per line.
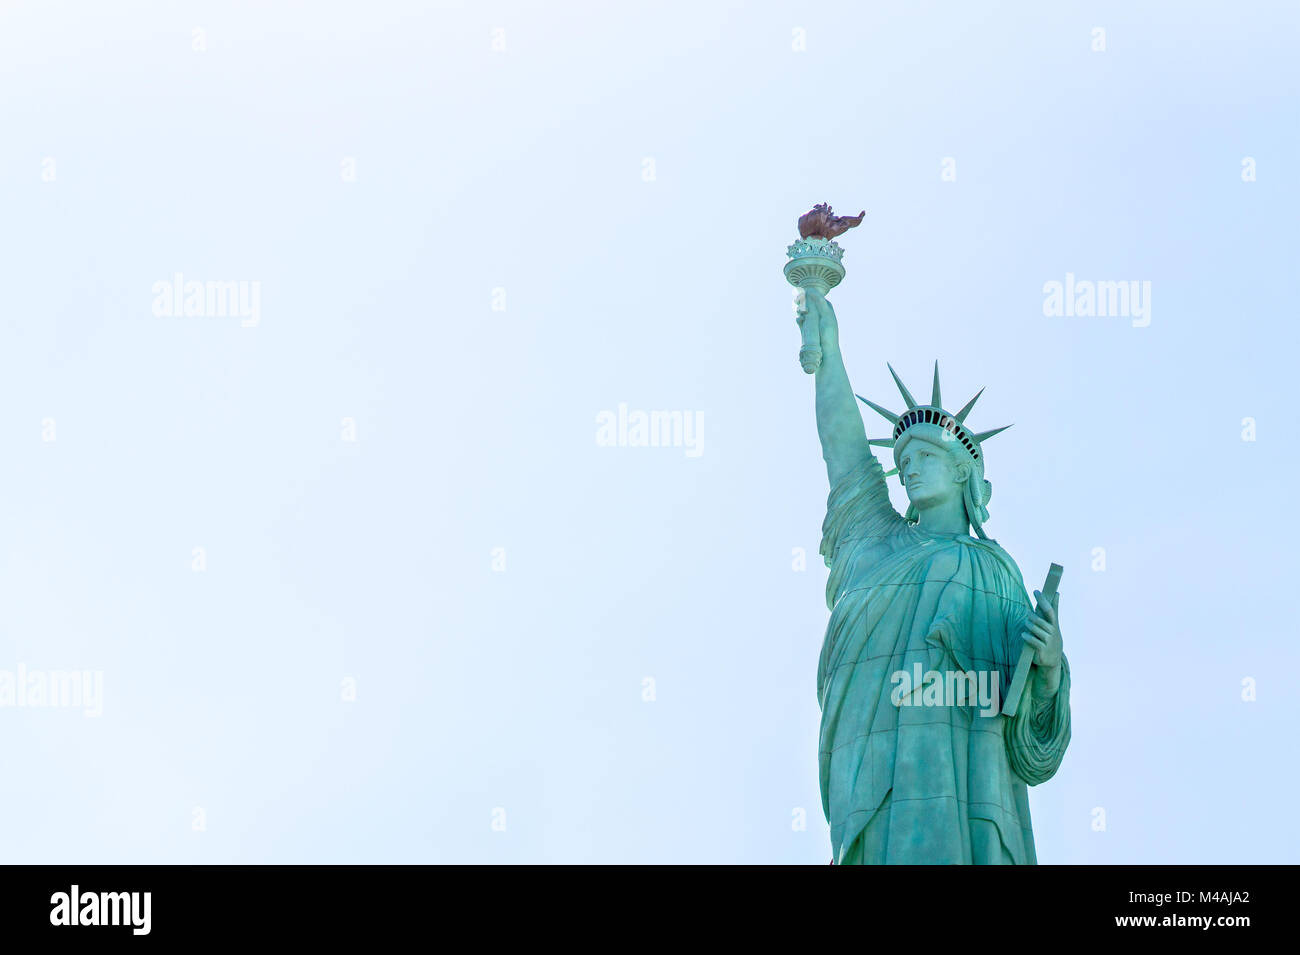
951	426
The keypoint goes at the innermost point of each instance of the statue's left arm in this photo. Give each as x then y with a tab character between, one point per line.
1037	736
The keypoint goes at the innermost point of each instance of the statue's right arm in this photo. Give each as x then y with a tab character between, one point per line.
839	423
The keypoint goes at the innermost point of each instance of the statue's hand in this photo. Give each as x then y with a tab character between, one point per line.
1044	633
824	315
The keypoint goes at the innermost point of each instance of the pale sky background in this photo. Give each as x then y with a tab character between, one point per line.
127	156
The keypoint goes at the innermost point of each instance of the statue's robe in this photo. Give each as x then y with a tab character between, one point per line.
925	784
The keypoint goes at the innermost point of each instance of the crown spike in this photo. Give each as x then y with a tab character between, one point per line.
907	395
881	442
985	435
961	415
891	472
883	412
936	399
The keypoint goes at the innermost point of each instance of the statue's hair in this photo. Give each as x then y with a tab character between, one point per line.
977	511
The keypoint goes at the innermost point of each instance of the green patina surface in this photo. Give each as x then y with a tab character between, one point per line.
928	621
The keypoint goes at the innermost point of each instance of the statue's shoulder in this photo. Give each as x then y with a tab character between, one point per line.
1014	579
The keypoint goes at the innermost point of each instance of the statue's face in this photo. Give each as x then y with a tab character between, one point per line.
929	473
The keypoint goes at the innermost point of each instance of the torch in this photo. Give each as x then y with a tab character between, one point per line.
815	263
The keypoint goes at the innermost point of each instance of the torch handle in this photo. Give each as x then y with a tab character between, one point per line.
810	351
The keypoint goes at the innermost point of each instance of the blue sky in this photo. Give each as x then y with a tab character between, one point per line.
464	255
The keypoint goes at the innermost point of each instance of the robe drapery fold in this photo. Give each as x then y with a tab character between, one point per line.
925	783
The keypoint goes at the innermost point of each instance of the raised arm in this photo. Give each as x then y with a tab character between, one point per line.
839	423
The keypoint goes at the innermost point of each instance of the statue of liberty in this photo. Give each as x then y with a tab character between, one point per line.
909	774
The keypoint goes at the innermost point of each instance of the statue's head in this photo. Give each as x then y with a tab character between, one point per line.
936	457
931	472
936	468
